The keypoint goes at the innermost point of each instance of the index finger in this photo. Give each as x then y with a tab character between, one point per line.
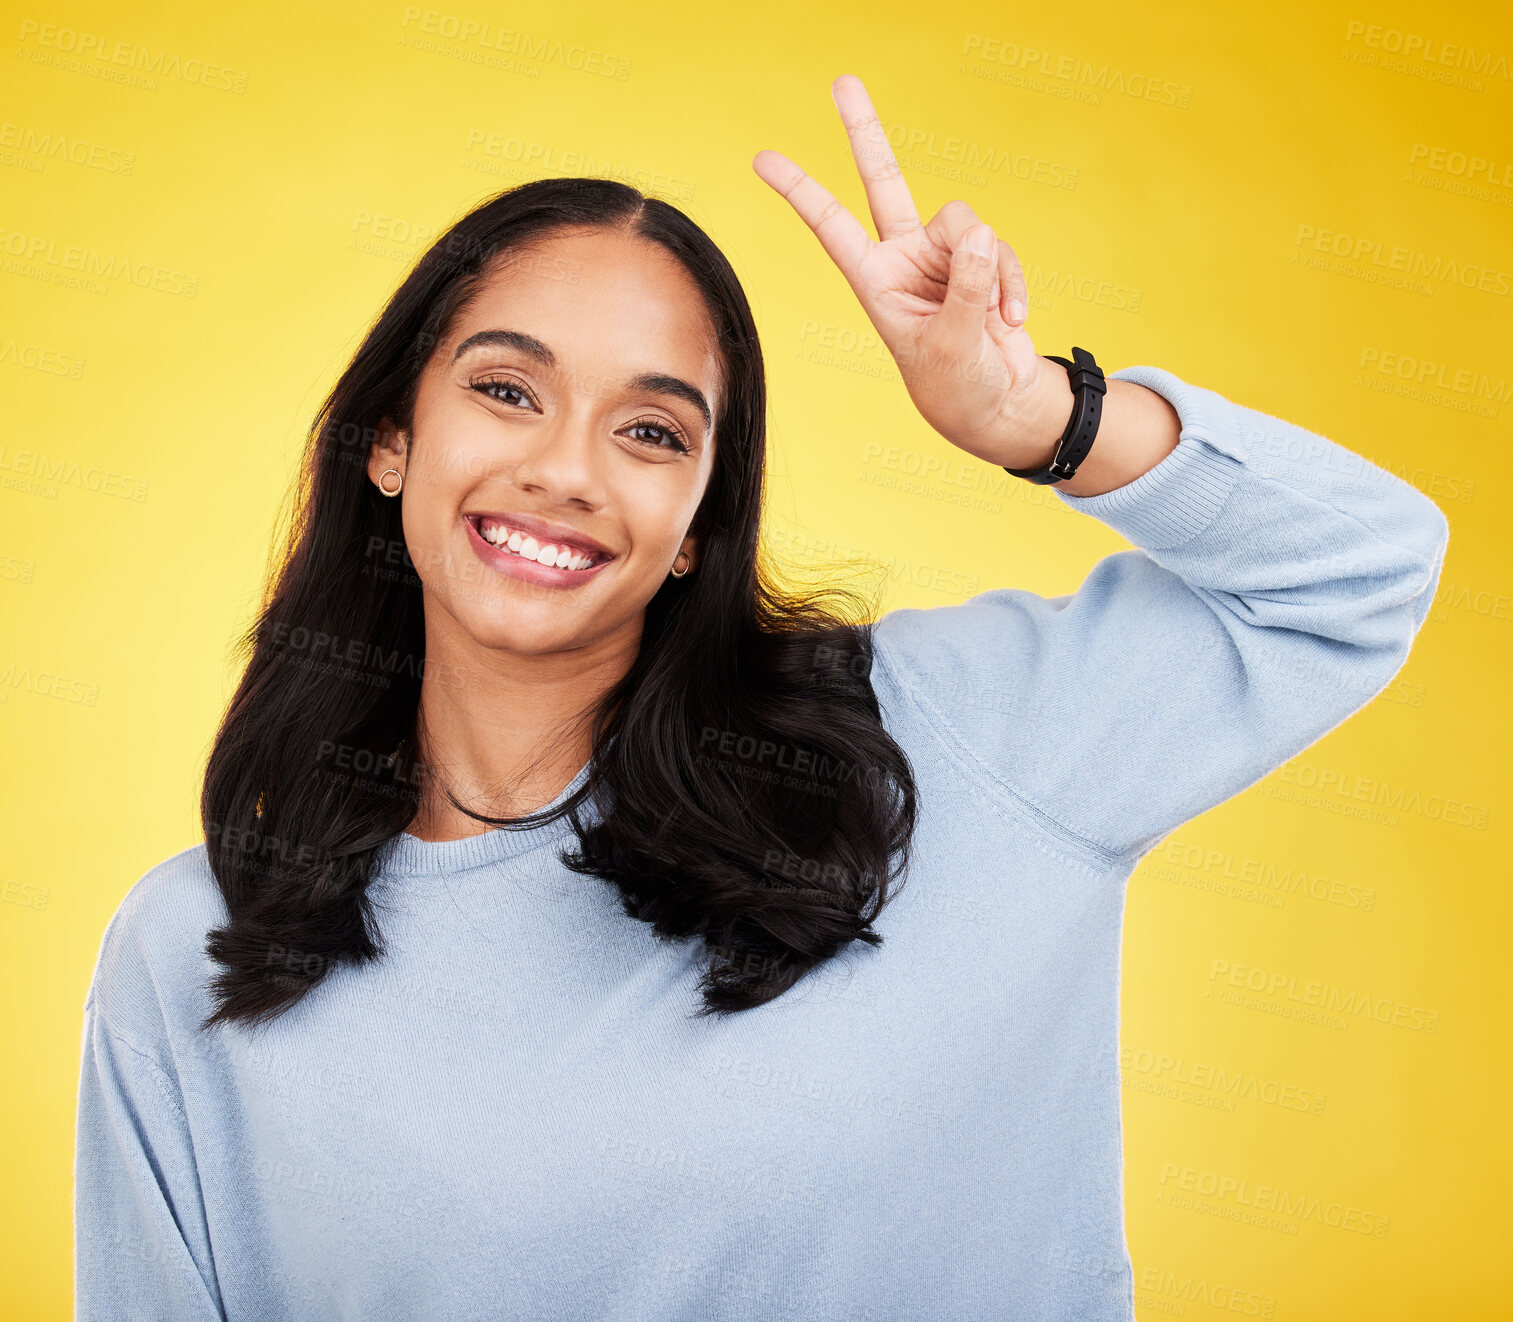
888	196
840	233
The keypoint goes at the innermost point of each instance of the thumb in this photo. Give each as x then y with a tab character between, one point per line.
971	289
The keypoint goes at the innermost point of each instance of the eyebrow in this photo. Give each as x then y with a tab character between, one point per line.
659	383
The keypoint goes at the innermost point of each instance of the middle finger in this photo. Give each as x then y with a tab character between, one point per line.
892	206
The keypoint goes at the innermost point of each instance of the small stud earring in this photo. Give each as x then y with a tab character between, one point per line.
385	474
682	555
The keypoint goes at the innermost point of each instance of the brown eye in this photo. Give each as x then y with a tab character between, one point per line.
488	388
667	438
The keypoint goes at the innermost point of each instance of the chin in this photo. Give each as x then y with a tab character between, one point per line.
528	628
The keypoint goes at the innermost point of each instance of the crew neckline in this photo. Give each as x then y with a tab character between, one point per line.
409	855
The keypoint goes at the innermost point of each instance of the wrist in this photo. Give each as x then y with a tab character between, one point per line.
1042	420
1139	429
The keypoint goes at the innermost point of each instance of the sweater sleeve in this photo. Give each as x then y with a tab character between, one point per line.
1275	585
141	1243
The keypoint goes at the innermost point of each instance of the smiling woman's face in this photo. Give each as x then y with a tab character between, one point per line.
562	419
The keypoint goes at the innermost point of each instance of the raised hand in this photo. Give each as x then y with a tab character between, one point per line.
951	312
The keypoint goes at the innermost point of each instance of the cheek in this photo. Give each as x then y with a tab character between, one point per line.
658	515
451	456
432	499
454	444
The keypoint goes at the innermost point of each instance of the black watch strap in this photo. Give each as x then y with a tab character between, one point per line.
1088	389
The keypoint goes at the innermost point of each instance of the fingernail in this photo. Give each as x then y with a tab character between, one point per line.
1016	309
980	241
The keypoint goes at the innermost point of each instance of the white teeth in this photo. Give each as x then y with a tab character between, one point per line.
529	548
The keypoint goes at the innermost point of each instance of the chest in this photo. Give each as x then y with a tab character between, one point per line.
522	1099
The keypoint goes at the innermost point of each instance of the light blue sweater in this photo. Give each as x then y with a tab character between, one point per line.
514	1115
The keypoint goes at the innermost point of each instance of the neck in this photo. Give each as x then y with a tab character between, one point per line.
505	731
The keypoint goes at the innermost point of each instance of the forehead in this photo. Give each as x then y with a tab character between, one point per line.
604	302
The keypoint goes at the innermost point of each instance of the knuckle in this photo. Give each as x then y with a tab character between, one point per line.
827	209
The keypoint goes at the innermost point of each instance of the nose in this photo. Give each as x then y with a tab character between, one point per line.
561	462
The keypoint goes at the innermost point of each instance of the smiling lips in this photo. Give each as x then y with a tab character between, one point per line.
561	554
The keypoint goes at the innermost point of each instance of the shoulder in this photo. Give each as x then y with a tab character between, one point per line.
151	969
1009	667
934	635
944	668
961	654
987	638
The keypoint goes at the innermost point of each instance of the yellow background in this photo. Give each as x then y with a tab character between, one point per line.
294	204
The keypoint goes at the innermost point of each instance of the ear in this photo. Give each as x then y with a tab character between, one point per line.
388	451
691	545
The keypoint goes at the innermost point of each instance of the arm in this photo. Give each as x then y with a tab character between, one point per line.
141	1244
1277	583
1137	430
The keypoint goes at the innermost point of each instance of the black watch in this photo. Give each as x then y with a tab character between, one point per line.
1088	390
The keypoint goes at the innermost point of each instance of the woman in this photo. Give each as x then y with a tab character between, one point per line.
549	954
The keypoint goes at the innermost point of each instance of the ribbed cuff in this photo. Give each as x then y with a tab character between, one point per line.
1179	497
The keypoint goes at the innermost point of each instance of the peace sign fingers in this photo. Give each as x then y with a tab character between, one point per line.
952	320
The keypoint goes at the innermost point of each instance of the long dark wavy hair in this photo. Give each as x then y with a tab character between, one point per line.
748	792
